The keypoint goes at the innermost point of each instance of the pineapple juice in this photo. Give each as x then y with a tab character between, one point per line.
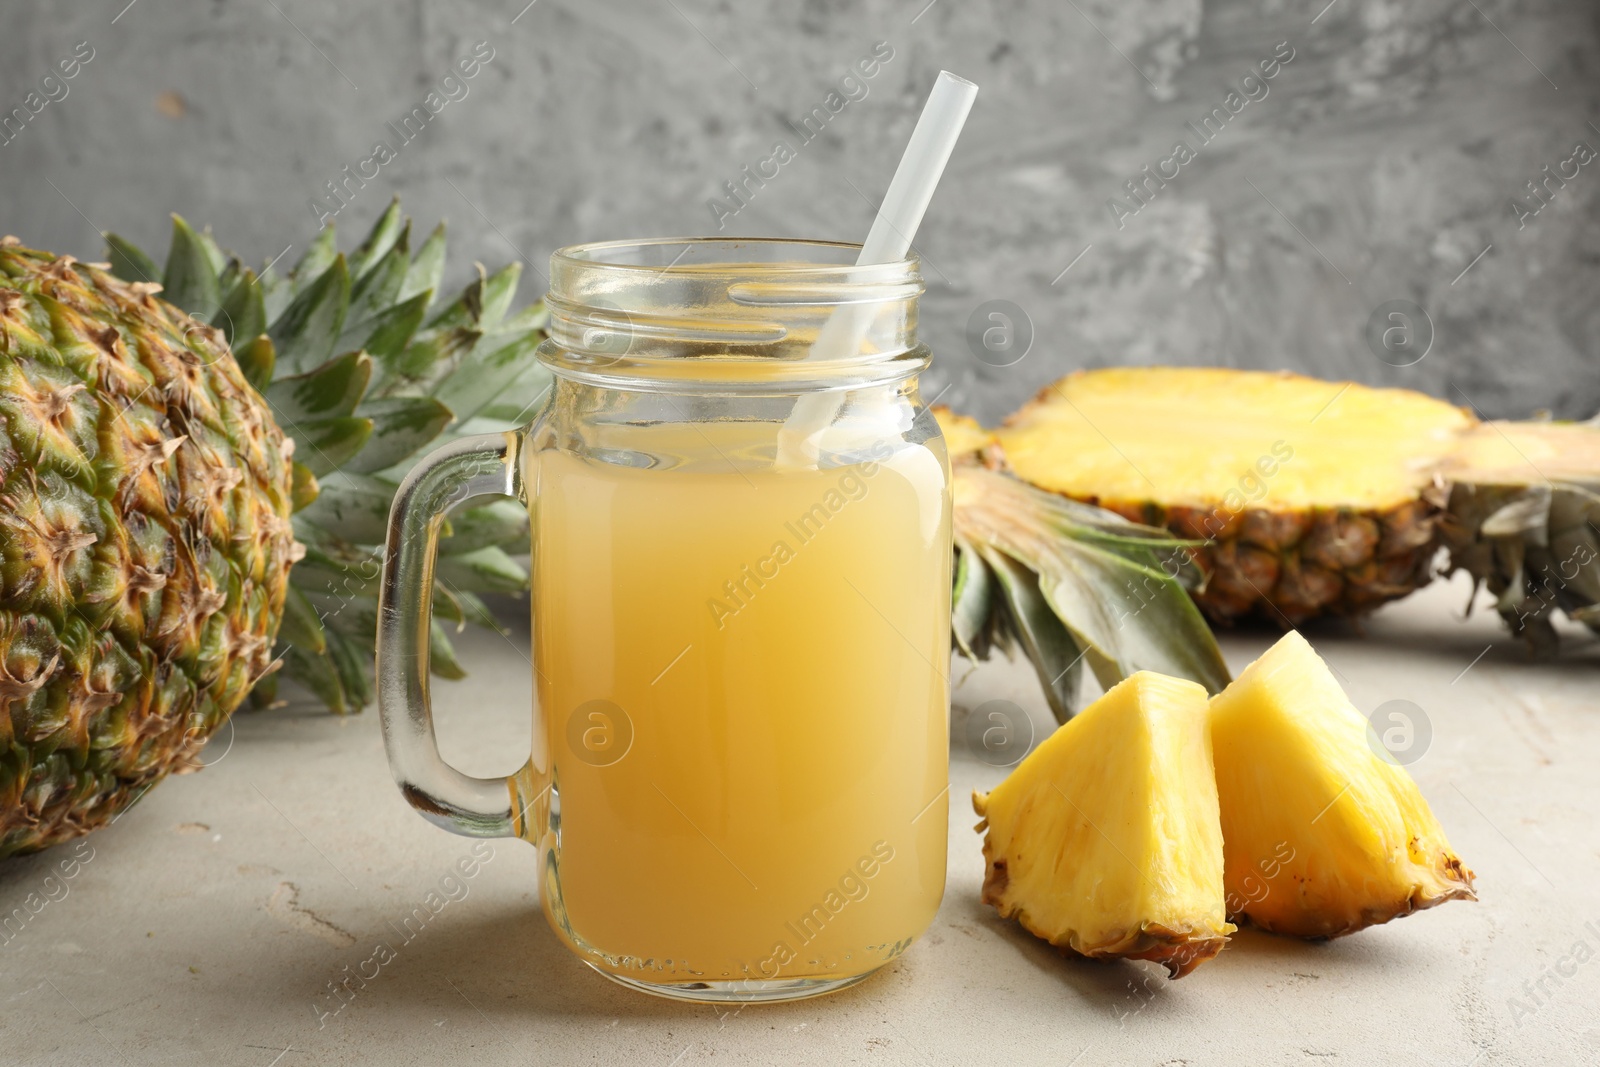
742	704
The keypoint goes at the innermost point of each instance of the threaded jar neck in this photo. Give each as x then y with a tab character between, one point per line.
728	315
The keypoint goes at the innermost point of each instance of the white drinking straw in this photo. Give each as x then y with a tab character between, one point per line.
888	241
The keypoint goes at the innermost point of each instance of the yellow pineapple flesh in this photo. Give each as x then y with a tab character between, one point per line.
1106	840
963	436
1323	835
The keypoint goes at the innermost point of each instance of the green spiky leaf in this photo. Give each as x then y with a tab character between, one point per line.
472	609
339	346
442	654
386	334
324	445
329	391
379	241
503	522
242	317
971	602
498	290
351	663
190	280
483	304
1117	589
431	354
401	426
1056	657
317	258
316	672
257	359
301	627
331	579
354	505
129	262
479	379
488	570
305	333
374	292
427	269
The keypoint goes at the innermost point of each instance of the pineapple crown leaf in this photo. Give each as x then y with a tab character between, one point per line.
402	425
193	265
257	360
328	444
1118	599
375	289
427	268
356	505
128	262
301	627
1533	547
388	231
242	315
317	257
1133	615
1050	646
333	389
390	330
485	374
304	335
972	609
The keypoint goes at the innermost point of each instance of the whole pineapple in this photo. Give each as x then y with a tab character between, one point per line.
362	367
146	492
145	542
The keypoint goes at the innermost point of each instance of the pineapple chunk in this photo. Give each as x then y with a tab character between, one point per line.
1322	835
1106	840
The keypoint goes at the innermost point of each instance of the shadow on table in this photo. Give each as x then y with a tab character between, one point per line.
1120	986
500	961
1448	638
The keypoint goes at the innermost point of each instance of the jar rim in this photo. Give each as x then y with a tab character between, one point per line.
607	255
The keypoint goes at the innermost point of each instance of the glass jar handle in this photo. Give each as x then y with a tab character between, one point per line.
467	468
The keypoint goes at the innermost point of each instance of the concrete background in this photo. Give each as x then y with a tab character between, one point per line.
1381	163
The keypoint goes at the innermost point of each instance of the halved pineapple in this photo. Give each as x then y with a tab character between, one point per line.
1322	835
1106	840
1309	495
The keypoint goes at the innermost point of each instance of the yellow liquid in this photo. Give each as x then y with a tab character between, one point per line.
756	659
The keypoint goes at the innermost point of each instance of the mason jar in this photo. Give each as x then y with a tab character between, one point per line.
740	560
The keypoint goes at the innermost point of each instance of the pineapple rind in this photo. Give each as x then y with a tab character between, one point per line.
1106	840
1323	836
145	543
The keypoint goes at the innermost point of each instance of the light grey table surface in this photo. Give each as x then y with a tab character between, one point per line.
205	925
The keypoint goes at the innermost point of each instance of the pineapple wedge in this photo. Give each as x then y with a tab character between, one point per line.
1322	835
1106	840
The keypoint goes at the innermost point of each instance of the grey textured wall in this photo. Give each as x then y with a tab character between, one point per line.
1382	160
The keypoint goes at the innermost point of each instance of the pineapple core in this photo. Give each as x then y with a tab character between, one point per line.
1322	834
1106	840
